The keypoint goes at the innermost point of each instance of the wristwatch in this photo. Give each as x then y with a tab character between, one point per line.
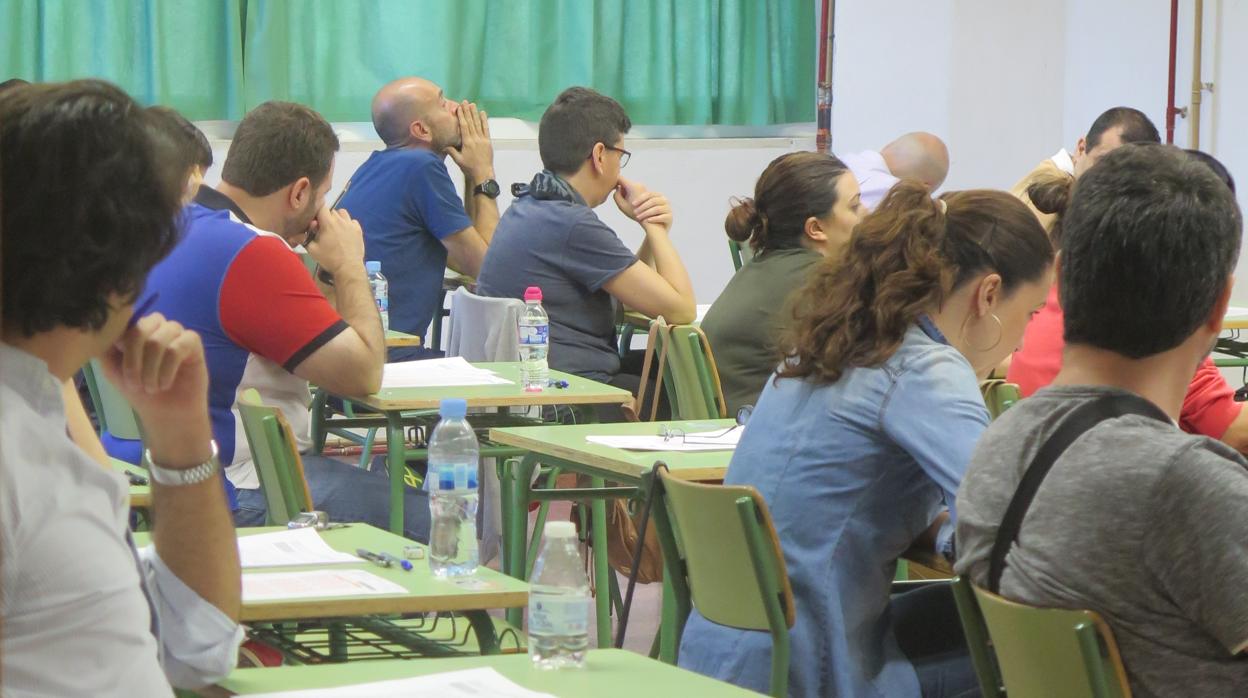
176	477
489	188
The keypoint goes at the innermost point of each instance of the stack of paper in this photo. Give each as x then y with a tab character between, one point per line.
299	546
467	683
721	440
437	373
280	586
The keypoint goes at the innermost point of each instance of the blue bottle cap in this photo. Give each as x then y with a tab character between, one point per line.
372	267
453	408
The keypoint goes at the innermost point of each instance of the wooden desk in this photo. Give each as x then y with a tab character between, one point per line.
607	674
394	338
565	446
140	495
393	402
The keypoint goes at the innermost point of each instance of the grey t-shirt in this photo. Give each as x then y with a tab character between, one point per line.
1138	521
564	248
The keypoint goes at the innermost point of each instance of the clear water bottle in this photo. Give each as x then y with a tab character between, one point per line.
381	292
534	341
454	457
559	601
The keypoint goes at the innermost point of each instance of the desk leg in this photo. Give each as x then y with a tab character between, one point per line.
667	624
319	400
602	570
517	526
396	451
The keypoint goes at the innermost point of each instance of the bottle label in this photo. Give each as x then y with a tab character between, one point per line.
534	334
560	614
383	303
455	476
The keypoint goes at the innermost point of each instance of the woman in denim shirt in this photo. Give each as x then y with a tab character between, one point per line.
859	443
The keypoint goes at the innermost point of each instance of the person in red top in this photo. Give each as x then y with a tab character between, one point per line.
1209	408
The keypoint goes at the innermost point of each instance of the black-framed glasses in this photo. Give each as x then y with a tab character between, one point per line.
624	155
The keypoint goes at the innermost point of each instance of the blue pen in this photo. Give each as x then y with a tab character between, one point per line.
405	564
376	559
143	309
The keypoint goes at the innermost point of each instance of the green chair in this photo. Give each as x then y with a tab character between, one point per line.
999	395
111	409
276	457
1039	652
722	555
739	256
690	374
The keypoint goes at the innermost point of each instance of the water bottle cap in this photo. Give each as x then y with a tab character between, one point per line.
560	529
453	408
532	293
372	267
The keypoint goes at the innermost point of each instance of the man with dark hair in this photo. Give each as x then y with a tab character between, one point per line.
235	279
192	149
551	238
77	244
404	198
1136	520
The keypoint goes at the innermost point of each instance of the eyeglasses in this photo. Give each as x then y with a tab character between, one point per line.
624	155
670	434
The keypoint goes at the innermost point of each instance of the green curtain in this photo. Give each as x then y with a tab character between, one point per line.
667	61
184	53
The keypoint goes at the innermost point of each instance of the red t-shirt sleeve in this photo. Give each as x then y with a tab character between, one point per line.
1209	406
271	306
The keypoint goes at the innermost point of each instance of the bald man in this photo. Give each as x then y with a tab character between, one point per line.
919	156
414	222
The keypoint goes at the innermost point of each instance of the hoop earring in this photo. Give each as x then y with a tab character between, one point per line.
1000	335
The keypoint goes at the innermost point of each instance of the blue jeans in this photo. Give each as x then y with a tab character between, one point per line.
347	494
929	632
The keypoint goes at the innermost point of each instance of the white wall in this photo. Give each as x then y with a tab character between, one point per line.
1004	82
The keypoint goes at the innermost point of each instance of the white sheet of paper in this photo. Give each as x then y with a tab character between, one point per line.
299	546
436	373
719	440
279	586
467	683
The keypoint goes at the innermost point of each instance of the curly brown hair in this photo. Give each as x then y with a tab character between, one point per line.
902	261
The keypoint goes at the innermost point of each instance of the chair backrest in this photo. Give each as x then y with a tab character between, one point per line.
724	556
740	255
999	395
484	328
690	374
276	458
111	409
1044	652
976	632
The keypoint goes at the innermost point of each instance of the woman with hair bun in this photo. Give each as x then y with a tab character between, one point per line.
805	205
860	442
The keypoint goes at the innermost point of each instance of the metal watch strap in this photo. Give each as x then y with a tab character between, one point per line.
176	477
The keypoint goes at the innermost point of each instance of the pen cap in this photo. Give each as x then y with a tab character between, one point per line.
453	408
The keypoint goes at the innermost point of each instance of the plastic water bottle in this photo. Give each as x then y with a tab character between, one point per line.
454	457
559	601
534	341
381	292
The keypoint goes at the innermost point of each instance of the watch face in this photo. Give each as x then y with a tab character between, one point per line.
489	187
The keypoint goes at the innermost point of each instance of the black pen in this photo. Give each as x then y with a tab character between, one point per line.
135	478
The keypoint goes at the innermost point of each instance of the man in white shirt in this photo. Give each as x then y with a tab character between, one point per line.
919	156
85	216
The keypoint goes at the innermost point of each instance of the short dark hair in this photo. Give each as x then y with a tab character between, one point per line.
1150	239
1136	127
192	144
86	213
13	83
1214	164
277	143
578	119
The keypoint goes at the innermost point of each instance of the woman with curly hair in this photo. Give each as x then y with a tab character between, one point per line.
859	443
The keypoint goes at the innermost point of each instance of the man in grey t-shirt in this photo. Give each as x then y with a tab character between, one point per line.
1138	521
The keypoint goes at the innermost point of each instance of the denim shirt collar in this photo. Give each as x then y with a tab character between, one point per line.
929	328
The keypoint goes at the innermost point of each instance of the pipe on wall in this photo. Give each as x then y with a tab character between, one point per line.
1171	110
1193	124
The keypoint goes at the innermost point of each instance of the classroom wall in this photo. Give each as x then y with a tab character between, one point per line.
1004	82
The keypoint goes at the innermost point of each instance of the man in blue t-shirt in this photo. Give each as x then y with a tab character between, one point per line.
550	237
405	200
